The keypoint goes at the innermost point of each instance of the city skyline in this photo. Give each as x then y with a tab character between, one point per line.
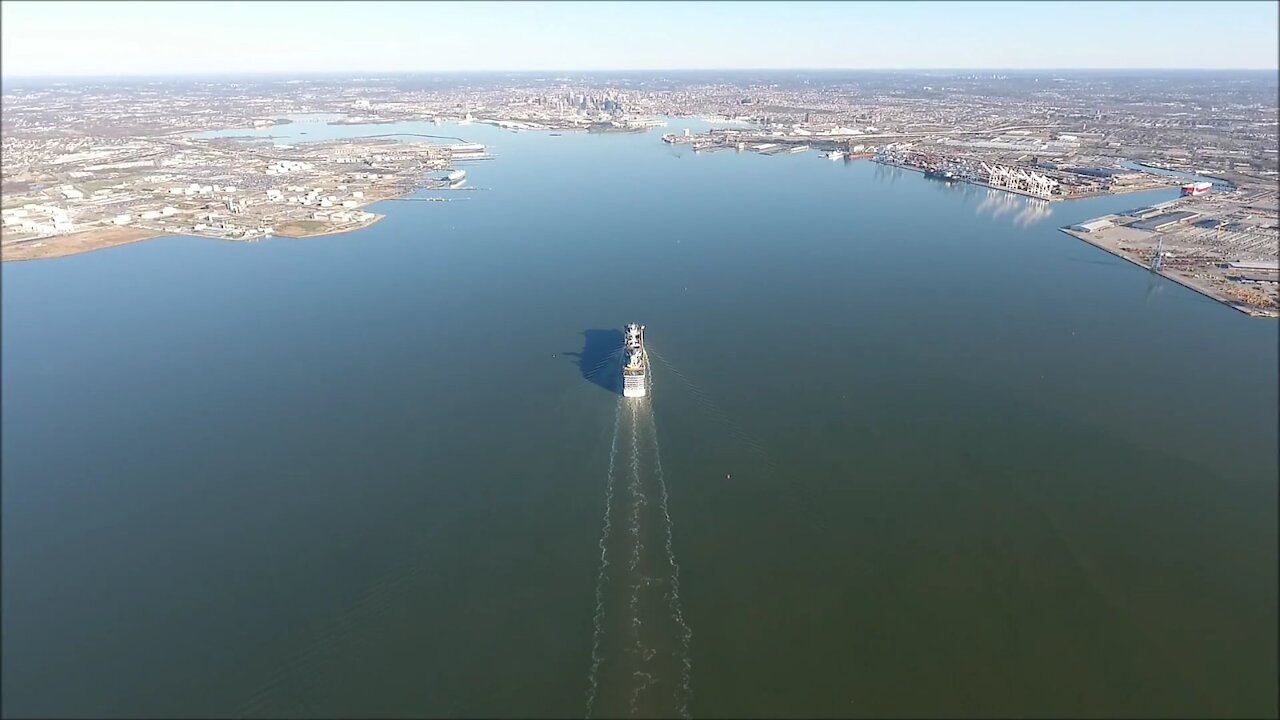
177	39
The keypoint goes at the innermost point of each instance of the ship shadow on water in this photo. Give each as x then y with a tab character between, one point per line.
599	360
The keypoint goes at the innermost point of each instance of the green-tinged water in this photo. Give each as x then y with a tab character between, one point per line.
910	450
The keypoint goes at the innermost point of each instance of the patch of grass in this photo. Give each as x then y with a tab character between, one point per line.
303	227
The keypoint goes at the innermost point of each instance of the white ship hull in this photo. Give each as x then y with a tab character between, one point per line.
633	386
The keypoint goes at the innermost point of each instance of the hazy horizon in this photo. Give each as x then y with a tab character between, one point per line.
13	81
124	39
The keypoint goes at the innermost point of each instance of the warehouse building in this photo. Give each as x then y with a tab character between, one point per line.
1164	220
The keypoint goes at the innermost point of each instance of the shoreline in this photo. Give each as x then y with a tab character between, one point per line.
41	249
77	243
91	240
336	231
103	237
1184	282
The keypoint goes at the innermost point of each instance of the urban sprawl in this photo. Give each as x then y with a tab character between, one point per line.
94	164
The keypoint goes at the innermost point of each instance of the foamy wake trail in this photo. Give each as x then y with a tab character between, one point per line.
643	681
673	594
638	502
593	680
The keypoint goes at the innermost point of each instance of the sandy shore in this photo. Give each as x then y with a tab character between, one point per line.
105	237
73	244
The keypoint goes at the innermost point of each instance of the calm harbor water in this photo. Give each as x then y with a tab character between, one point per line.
910	451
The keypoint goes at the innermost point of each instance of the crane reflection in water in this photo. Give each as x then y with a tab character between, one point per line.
1026	210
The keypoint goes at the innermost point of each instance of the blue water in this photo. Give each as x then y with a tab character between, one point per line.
1184	176
924	454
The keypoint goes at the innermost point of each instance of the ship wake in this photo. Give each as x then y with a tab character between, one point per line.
641	663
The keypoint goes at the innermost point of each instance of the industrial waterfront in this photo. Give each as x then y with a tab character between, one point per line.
1223	246
925	453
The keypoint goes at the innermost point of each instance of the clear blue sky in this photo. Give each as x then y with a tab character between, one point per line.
171	38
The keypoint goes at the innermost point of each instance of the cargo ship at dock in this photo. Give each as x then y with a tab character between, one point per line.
635	373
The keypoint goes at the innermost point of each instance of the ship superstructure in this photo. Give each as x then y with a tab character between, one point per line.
635	372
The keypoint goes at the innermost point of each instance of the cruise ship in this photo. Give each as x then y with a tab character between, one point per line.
635	373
